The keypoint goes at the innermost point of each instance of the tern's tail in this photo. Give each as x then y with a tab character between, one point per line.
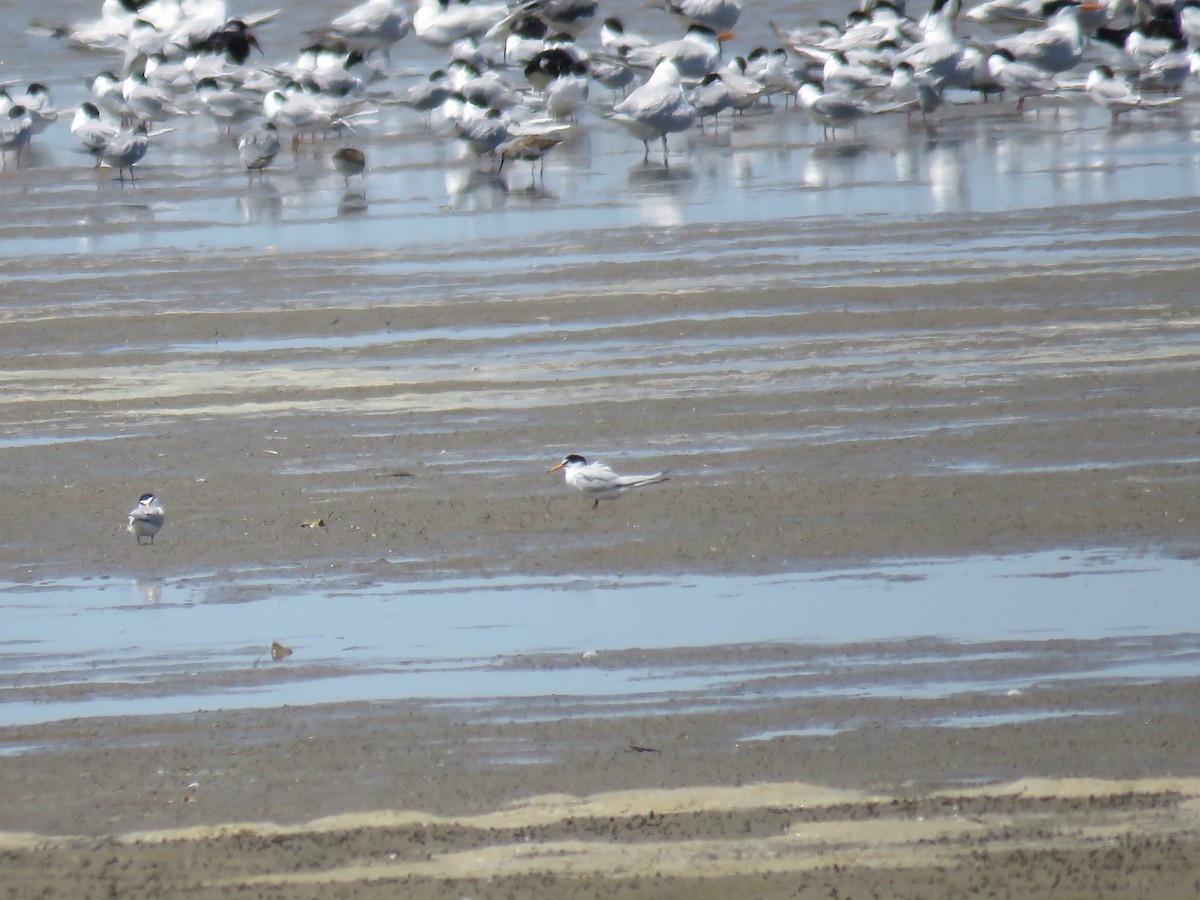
643	480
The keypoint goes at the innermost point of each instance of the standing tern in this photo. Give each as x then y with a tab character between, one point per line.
719	15
695	54
125	149
440	24
1022	78
657	108
1058	46
15	131
146	518
374	25
831	111
93	129
258	147
1117	95
600	482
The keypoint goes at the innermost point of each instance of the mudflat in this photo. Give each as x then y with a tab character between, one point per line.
814	406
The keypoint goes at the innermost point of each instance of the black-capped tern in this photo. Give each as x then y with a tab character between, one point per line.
600	482
146	518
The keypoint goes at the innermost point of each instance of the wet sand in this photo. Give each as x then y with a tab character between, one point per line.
925	388
855	415
837	369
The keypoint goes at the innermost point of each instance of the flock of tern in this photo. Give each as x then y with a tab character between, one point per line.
518	77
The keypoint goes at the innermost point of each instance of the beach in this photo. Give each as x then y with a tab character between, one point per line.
910	617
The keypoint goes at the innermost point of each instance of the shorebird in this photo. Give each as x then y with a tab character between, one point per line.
719	15
600	482
15	130
349	161
440	24
831	111
1022	78
656	109
483	130
93	129
695	54
258	147
125	149
374	25
146	518
1055	48
1117	95
532	148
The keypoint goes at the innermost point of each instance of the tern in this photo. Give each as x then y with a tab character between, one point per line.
125	149
439	24
600	482
719	15
1022	78
15	131
258	147
831	111
1055	48
146	519
657	108
1117	95
616	40
695	54
374	25
93	129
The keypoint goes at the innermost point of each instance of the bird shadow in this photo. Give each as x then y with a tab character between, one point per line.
352	203
657	173
832	151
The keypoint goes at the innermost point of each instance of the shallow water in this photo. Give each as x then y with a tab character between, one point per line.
92	647
1063	196
421	194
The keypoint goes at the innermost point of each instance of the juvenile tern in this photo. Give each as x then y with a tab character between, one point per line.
125	149
483	129
146	518
428	95
258	147
831	111
600	482
710	97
